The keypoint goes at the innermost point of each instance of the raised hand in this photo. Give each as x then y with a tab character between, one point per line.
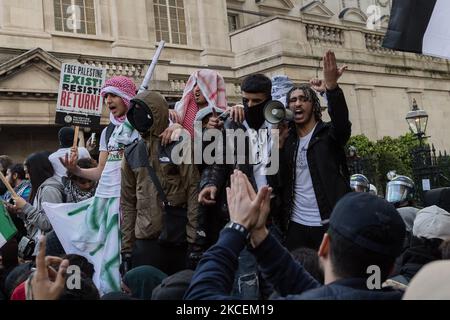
42	286
70	161
318	85
173	116
264	208
331	73
245	206
237	113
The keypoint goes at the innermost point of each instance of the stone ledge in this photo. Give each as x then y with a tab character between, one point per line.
81	36
24	33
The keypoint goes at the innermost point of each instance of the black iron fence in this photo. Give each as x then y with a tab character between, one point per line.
430	169
366	166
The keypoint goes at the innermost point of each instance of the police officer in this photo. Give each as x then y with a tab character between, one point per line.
400	191
359	183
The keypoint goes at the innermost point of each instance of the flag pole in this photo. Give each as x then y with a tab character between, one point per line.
145	83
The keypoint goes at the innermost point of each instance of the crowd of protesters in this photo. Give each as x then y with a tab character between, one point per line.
151	228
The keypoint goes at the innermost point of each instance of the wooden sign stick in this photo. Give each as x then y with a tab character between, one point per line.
8	186
75	136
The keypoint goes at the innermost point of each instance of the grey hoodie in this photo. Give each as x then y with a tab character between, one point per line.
34	216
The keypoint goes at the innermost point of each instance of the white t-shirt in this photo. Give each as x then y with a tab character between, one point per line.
305	210
260	148
109	184
60	170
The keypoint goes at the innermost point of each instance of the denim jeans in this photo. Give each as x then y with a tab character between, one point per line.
246	280
248	283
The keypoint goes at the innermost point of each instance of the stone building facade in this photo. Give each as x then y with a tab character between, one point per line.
234	37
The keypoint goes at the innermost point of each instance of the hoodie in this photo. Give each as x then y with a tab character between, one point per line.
140	203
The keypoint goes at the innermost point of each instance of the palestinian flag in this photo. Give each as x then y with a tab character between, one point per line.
420	26
7	228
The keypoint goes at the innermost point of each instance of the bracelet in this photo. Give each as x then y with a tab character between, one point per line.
239	227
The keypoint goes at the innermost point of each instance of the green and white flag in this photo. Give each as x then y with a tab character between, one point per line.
7	228
91	229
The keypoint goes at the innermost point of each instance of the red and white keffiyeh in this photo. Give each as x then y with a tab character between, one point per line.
123	87
212	86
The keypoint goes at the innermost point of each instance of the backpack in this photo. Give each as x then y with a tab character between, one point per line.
109	131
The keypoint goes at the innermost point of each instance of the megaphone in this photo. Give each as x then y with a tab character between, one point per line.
275	112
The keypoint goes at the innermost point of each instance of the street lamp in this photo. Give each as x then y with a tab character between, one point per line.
422	167
417	120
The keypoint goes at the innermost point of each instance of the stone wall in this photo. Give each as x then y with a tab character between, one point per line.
274	37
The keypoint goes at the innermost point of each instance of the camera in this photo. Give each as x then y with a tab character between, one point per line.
26	248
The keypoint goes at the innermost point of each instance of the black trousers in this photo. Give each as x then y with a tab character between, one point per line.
166	258
301	236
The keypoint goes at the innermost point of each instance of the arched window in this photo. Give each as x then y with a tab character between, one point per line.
76	16
170	22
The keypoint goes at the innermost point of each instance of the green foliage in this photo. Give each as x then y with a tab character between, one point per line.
364	146
385	155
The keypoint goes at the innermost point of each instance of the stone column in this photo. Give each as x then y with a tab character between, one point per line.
365	106
25	19
214	39
129	28
355	40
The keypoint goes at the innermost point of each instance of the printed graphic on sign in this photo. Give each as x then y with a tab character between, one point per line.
79	101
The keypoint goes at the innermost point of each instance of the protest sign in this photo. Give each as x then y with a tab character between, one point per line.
79	101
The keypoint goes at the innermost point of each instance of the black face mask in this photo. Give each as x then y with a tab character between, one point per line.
142	118
255	115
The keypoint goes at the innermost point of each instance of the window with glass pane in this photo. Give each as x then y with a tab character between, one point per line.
170	23
76	16
233	22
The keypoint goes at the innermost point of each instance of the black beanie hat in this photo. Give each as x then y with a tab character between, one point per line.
65	136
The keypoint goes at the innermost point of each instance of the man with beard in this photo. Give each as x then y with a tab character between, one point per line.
314	171
204	89
16	177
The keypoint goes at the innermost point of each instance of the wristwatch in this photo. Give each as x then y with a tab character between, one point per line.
238	227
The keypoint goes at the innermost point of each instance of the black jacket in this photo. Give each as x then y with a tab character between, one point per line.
420	253
326	160
213	279
219	175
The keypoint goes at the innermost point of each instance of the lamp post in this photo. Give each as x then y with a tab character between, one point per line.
422	166
417	120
